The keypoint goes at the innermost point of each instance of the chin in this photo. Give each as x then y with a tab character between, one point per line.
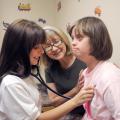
58	57
75	55
34	63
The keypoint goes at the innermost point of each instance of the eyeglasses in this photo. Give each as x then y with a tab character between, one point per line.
49	46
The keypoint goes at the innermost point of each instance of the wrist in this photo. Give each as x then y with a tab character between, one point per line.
74	103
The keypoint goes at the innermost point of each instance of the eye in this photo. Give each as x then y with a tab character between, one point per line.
57	43
79	37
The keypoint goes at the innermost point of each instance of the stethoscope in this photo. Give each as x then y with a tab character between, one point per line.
38	76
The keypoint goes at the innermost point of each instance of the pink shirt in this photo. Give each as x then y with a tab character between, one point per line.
105	104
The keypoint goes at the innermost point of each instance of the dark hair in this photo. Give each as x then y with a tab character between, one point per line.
20	37
99	37
70	29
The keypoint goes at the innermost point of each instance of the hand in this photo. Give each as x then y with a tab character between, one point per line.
85	94
80	82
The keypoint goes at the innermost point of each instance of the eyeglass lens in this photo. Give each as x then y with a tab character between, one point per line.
50	45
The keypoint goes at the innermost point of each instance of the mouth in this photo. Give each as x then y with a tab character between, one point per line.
74	49
36	58
56	53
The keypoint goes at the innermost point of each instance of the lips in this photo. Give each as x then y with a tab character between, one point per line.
74	49
36	58
56	53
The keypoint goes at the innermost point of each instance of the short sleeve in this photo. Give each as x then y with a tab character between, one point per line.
18	104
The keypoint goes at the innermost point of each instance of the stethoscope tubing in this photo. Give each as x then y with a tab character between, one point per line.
40	79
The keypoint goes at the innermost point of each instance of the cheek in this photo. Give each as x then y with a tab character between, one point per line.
64	49
31	59
31	54
85	45
82	48
49	54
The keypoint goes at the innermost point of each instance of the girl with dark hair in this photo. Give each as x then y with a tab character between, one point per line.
92	44
19	97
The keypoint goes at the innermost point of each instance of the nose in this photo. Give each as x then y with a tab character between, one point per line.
74	42
54	48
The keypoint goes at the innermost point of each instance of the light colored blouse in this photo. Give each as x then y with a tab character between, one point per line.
19	99
105	104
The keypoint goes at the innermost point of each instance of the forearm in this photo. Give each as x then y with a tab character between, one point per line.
54	114
58	112
57	100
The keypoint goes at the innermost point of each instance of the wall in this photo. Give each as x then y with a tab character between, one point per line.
72	10
39	9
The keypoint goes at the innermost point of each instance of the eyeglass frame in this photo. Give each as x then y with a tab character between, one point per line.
52	44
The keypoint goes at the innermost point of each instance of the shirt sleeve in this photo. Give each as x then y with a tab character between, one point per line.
18	103
112	99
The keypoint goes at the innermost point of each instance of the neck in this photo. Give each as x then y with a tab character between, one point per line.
67	61
92	65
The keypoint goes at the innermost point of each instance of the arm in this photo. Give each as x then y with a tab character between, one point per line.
84	95
57	100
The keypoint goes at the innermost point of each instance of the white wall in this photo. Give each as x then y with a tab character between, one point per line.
39	9
72	10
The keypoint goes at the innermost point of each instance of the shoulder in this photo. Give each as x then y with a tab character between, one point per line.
108	74
11	79
108	69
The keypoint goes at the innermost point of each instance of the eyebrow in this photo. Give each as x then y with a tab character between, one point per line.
52	41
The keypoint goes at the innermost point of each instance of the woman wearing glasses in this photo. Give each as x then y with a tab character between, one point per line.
62	72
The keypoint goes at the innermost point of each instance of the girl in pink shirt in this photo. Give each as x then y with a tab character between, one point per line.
92	44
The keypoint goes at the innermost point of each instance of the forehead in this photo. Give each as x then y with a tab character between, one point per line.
52	36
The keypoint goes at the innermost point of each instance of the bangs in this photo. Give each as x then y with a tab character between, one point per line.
36	36
81	29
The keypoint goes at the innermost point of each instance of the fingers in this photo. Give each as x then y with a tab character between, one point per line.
80	75
84	95
87	98
80	84
87	93
89	87
81	72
